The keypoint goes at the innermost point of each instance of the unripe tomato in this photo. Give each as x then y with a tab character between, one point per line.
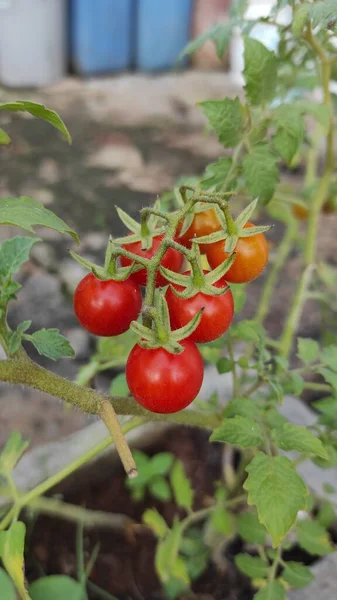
204	223
163	382
216	318
172	260
251	257
106	308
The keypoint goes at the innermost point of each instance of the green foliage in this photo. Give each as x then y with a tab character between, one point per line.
273	591
252	566
260	171
12	452
119	386
40	111
277	491
153	519
4	138
13	254
307	350
297	575
55	587
292	437
216	174
313	538
260	72
225	118
12	544
250	529
239	431
182	490
6	586
151	473
50	343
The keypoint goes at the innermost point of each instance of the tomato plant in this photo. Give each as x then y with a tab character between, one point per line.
172	259
107	308
204	222
164	382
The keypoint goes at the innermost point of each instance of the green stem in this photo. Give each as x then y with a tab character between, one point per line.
235	160
317	387
272	279
276	562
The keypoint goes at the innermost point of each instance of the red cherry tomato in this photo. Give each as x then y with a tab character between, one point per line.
172	260
216	318
251	257
106	308
163	382
204	223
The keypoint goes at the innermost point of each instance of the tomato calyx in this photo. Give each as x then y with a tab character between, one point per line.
111	269
143	232
160	335
235	230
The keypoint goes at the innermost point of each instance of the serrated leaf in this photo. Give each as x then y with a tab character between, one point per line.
260	71
14	253
300	18
153	519
277	491
320	112
182	489
56	587
326	515
40	111
167	552
313	538
161	463
243	407
272	591
239	431
12	452
51	343
329	376
329	357
307	350
12	544
26	213
322	13
249	331
160	489
216	174
4	138
119	386
260	171
301	439
285	145
289	118
297	575
253	566
225	118
250	529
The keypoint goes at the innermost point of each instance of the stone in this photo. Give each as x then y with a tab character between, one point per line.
119	157
71	274
44	254
94	241
49	170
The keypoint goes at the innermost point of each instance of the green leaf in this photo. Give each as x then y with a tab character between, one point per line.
221	520
14	253
119	387
328	408
224	365
301	439
161	463
220	34
225	118
27	213
167	552
12	452
182	489
250	529
329	357
329	376
260	171
153	519
320	112
274	419
260	71
253	566
297	575
328	488
160	489
307	350
116	348
51	343
293	384
6	587
273	591
56	587
277	491
313	538
216	174
239	431
243	407
40	111
326	515
300	18
248	331
237	9
285	145
12	544
239	295
322	13
289	118
4	138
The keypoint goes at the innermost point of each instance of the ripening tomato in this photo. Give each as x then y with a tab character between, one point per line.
251	257
300	212
216	318
204	223
106	308
163	382
172	260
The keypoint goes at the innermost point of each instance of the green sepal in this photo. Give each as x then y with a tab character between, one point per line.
121	274
173	277
230	243
250	231
187	330
88	264
163	311
128	221
217	236
188	220
221	270
245	215
144	332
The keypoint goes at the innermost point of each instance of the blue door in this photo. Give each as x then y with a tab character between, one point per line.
100	35
163	28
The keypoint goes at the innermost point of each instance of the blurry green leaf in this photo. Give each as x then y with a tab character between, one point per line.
40	111
328	488
12	544
219	33
277	491
239	294
261	172
50	343
272	591
329	376
116	348
56	587
307	350
239	431
248	331
119	387
253	566
225	118
14	253
326	515
6	587
182	489
301	439
11	453
313	538
221	520
153	519
26	213
160	489
260	71
300	18
285	145
167	552
243	407
274	419
250	529
293	383
224	365
4	138
161	463
329	357
297	575
322	13
216	174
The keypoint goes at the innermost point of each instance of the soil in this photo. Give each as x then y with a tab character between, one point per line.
125	564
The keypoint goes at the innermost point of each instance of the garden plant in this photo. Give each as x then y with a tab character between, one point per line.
170	289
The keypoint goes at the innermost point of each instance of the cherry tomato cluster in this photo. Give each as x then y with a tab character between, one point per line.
162	379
